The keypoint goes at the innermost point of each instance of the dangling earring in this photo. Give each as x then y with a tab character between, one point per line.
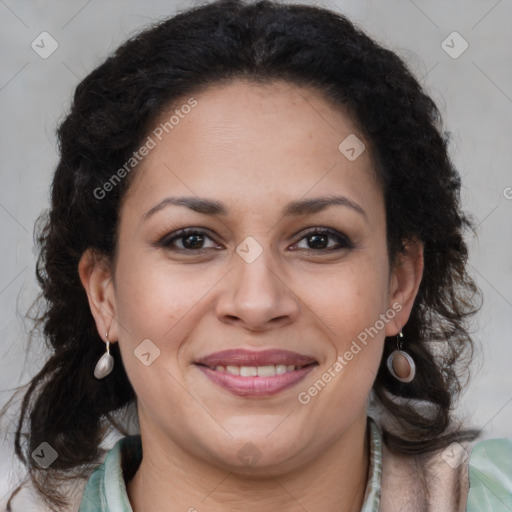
105	363
401	364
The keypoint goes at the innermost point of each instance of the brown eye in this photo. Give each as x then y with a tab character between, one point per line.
191	240
321	239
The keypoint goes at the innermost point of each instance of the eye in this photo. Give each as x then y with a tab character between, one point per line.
191	240
318	239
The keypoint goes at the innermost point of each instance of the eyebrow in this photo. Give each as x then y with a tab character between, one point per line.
292	209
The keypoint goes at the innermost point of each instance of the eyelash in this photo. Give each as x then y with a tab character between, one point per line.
343	241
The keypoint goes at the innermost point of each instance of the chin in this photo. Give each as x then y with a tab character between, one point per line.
259	454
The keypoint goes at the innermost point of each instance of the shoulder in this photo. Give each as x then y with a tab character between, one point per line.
28	499
106	487
464	477
82	489
490	475
437	480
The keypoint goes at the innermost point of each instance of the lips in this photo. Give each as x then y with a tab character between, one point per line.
239	357
250	373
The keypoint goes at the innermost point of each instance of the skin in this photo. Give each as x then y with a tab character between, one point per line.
255	148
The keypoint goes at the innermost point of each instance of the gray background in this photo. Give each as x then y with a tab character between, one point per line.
473	91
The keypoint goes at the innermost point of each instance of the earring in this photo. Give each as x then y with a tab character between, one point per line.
105	363
401	364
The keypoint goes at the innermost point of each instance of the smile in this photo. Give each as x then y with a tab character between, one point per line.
248	373
257	371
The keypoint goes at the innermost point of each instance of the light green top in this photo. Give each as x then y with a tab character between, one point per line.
490	472
490	476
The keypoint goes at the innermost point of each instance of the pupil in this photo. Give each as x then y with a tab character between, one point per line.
322	238
196	244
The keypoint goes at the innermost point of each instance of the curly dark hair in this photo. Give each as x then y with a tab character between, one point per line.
113	111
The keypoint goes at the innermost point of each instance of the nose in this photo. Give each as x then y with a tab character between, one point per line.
256	295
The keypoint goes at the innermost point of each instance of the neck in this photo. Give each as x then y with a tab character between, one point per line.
335	481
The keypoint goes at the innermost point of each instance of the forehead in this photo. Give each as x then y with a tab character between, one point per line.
248	141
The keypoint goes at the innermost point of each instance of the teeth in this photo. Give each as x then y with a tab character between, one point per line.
260	371
234	370
280	369
266	371
248	371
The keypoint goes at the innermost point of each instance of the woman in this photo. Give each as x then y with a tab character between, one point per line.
255	238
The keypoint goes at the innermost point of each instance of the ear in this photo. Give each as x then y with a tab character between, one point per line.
95	273
405	281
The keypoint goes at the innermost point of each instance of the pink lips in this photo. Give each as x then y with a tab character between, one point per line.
255	385
240	357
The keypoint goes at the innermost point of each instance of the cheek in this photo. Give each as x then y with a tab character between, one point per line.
156	315
150	308
351	299
351	304
164	305
151	299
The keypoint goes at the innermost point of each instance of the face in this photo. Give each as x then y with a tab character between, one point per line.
264	321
